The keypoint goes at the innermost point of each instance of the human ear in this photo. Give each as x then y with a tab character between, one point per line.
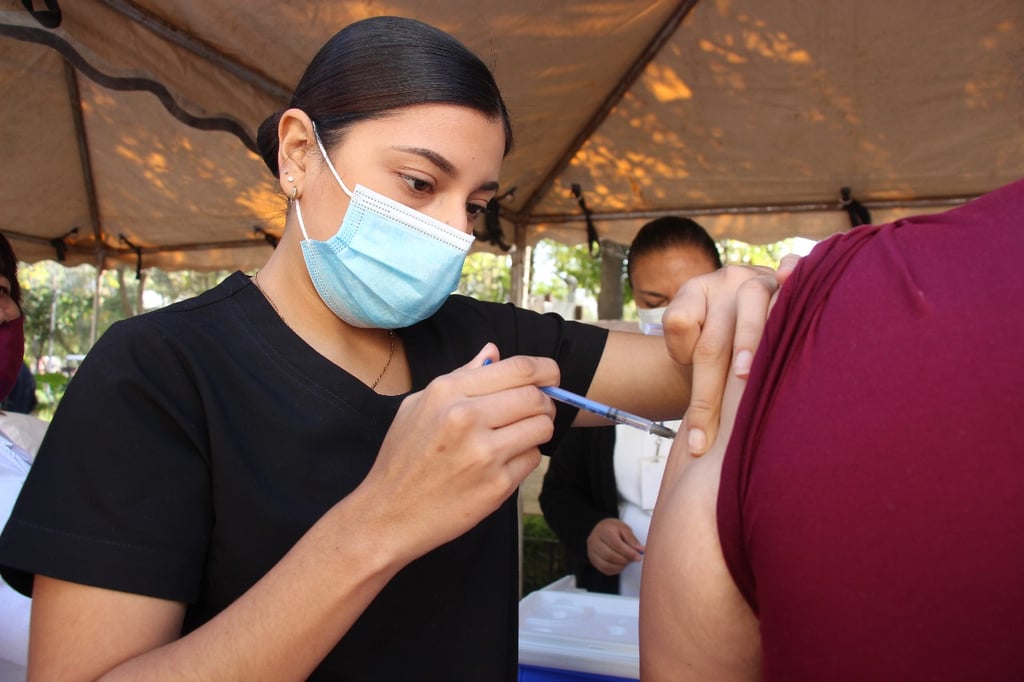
294	131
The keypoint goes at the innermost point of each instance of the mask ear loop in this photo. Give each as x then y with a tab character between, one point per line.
330	165
334	172
302	224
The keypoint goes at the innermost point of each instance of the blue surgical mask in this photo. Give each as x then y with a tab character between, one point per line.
650	320
388	266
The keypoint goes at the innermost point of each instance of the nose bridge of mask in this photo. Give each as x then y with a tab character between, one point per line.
411	219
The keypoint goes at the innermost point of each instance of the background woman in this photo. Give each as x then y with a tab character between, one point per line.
601	483
15	460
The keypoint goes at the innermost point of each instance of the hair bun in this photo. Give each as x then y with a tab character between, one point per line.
268	142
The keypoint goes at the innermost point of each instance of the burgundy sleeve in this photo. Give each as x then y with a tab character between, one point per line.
869	508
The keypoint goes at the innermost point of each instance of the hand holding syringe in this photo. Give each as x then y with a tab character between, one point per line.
608	412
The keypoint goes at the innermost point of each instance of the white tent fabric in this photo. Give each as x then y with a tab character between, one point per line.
747	115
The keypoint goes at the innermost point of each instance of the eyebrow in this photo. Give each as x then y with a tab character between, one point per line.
649	293
444	164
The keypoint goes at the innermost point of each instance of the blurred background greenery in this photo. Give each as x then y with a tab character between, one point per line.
67	309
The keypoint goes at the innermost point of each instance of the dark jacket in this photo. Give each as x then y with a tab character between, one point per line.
579	491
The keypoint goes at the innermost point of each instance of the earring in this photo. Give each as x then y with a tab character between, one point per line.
291	179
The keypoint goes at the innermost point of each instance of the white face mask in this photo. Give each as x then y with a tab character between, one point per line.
650	320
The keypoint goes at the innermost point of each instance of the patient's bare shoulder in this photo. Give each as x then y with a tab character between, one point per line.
694	623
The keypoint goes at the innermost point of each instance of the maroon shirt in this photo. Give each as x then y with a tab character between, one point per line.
872	501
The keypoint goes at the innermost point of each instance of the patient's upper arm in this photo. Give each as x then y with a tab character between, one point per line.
694	623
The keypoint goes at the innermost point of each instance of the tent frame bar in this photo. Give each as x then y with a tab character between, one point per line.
928	202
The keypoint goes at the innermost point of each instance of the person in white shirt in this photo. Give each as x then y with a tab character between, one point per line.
14	607
601	484
19	438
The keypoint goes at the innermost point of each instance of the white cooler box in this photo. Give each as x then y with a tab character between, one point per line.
569	634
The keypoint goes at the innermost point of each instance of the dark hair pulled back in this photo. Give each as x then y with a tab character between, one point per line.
668	232
376	65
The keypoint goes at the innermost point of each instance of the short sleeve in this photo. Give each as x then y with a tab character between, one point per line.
118	496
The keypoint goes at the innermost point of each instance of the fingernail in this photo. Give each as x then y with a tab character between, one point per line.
741	366
696	440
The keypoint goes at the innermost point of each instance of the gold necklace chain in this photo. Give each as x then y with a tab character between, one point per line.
391	332
256	281
391	354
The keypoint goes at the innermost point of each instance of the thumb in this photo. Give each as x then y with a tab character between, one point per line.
786	267
631	539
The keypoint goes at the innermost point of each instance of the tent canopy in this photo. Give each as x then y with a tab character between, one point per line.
133	120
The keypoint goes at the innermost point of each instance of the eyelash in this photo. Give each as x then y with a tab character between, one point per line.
415	184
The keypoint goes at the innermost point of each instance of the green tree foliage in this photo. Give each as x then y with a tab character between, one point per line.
59	301
543	555
58	307
487	277
179	285
556	266
737	252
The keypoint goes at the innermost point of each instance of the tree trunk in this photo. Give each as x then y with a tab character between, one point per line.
609	301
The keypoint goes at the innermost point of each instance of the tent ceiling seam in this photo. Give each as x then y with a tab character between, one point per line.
757	209
105	248
187	41
102	248
635	70
75	102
